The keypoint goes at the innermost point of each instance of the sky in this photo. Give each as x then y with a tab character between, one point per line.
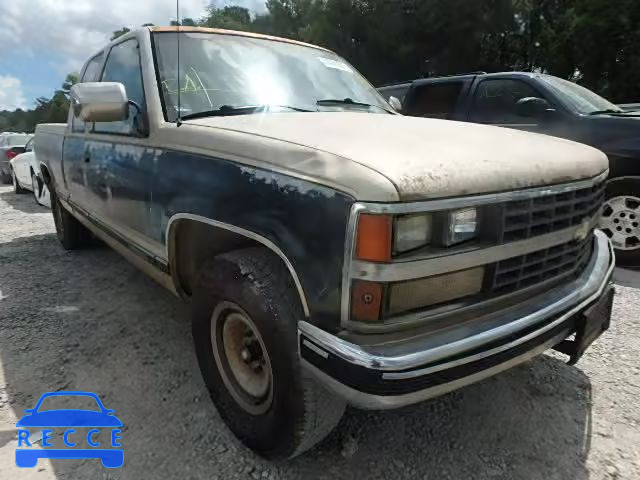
43	40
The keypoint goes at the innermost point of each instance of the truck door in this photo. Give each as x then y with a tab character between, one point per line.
120	162
77	173
493	102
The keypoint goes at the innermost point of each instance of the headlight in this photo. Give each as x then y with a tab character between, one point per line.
462	226
411	231
379	237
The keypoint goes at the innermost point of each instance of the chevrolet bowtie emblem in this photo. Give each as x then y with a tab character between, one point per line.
582	230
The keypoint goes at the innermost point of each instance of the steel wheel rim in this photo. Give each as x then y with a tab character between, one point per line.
242	358
620	220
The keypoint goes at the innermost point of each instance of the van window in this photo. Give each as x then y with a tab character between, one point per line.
437	100
396	91
495	102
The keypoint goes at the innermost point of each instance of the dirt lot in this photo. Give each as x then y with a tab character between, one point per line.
87	320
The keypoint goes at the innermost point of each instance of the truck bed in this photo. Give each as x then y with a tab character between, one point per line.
48	144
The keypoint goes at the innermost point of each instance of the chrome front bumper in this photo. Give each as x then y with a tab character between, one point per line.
391	374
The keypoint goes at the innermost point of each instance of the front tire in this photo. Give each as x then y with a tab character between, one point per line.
620	220
245	313
71	233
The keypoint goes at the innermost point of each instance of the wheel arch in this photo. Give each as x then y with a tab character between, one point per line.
623	178
192	238
46	176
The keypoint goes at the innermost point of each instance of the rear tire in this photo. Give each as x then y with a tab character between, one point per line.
289	413
71	233
16	185
620	220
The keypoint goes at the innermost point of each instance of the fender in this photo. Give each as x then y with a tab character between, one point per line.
627	177
240	231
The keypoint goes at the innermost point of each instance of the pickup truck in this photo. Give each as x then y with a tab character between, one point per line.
333	252
553	106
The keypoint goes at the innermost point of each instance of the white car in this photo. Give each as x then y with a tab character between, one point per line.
26	175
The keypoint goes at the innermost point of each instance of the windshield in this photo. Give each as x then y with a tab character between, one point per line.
579	98
236	71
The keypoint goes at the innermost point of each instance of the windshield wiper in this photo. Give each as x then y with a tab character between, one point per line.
608	110
225	110
348	101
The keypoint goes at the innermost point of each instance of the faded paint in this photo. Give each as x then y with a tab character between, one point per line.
427	158
286	184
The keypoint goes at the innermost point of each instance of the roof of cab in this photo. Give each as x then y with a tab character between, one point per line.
239	33
461	77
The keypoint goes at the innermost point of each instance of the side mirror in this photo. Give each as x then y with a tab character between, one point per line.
100	101
533	107
395	103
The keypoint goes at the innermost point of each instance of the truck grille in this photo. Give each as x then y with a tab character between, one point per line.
526	270
528	218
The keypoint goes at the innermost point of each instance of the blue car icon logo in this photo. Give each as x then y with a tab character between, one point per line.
69	418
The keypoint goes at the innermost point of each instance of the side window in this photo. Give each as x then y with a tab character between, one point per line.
437	100
123	65
29	146
398	92
91	74
495	102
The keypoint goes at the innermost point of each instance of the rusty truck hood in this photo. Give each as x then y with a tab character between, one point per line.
428	158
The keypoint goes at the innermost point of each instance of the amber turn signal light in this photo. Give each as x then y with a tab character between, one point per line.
373	238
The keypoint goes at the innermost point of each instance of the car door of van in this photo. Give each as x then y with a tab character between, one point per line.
76	169
121	162
493	101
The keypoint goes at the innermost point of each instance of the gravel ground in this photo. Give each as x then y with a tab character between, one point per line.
87	320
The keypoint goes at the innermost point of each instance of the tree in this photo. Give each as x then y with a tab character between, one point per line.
230	18
594	42
46	110
70	80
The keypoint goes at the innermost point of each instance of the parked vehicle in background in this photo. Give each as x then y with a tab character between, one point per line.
26	175
630	107
553	106
333	251
11	144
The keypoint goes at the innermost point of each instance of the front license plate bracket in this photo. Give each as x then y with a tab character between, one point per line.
589	326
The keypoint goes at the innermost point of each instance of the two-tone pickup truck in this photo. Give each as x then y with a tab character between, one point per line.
333	251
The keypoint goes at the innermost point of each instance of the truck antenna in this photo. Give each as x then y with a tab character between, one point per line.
179	119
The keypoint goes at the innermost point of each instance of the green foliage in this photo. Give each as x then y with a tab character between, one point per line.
230	18
594	42
47	110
